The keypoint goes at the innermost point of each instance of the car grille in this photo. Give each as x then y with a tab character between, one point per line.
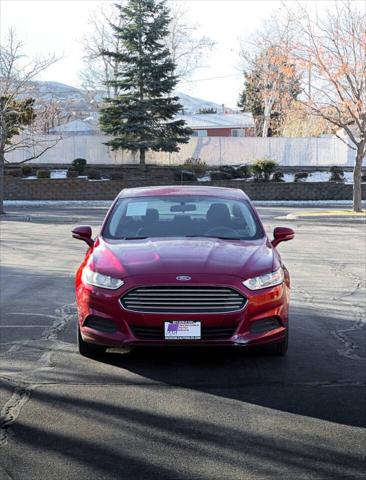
207	333
183	299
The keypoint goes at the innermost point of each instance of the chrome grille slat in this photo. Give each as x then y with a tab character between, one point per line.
183	295
183	299
162	302
179	307
190	289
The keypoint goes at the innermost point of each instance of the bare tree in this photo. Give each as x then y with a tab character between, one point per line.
98	69
52	112
16	105
333	48
267	62
187	47
299	122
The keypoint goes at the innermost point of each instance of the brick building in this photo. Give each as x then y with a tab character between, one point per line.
220	124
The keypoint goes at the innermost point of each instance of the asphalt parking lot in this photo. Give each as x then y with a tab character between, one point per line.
187	414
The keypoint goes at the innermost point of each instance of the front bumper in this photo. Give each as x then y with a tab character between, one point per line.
270	303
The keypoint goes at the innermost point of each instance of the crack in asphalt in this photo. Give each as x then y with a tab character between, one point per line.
339	270
350	347
23	390
12	409
4	474
305	295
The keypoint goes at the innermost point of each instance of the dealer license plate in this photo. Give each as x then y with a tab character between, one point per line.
182	330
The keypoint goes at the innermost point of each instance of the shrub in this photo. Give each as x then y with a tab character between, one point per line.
72	173
234	171
26	170
336	174
299	176
43	174
228	170
116	176
184	176
14	172
263	168
277	176
195	165
79	165
94	174
219	175
243	171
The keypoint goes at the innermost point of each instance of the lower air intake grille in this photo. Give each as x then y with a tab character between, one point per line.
99	323
208	333
177	299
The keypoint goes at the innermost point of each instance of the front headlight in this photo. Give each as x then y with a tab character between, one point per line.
99	280
264	281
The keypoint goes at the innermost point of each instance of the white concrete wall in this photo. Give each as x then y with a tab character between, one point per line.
213	150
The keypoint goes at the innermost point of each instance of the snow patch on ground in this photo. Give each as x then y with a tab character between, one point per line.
318	177
62	175
58	174
289	177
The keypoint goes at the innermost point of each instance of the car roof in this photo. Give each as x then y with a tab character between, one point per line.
220	192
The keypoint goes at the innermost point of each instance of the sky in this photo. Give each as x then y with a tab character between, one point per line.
57	26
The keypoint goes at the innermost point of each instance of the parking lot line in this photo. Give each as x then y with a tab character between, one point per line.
23	326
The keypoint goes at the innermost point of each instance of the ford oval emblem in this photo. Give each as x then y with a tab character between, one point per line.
183	278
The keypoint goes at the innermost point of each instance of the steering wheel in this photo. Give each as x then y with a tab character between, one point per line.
223	232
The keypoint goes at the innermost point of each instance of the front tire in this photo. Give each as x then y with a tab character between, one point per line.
88	349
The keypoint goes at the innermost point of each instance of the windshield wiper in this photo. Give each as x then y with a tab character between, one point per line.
214	236
133	238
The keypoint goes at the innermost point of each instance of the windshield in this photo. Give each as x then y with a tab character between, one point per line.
182	216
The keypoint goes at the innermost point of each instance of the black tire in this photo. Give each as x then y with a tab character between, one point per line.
278	349
89	349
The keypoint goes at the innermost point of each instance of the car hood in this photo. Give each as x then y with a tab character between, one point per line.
183	256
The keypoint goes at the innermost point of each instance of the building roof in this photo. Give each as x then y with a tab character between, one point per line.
195	121
218	120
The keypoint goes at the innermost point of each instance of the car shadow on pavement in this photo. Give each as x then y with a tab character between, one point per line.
318	378
153	441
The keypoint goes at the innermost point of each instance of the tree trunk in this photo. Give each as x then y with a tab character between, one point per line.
142	156
265	126
357	174
267	116
2	163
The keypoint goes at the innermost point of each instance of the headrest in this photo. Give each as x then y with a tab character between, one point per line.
218	213
152	215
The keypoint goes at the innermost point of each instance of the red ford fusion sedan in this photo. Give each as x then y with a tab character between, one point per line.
182	265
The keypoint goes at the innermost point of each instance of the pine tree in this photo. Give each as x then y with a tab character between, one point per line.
141	116
250	100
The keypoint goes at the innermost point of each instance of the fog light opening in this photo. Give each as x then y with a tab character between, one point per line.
100	323
265	325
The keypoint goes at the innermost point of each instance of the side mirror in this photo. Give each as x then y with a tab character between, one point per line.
282	234
83	232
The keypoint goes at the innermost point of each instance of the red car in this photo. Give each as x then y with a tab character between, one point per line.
182	265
